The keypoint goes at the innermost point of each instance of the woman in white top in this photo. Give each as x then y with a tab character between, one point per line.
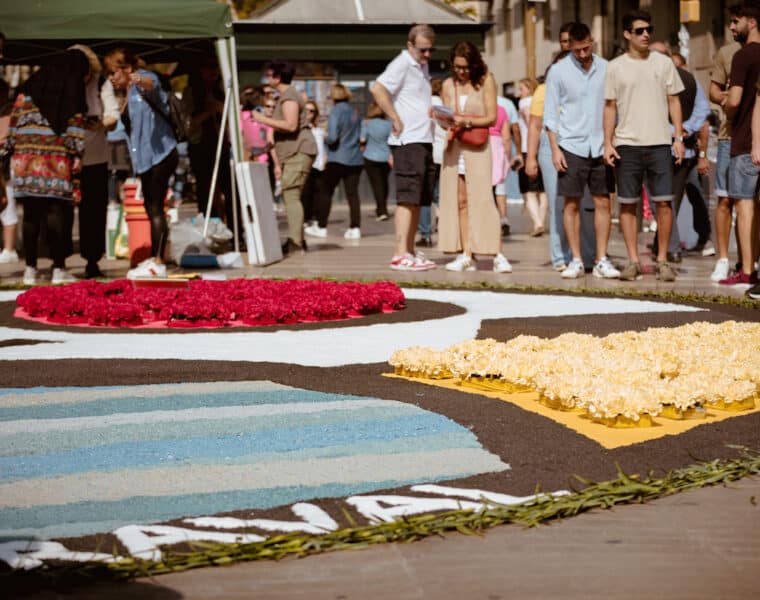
310	191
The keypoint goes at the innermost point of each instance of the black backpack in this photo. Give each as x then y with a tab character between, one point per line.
177	119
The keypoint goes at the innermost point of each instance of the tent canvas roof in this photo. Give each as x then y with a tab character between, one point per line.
35	28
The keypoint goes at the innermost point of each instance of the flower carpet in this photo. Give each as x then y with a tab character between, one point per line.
668	374
209	304
127	441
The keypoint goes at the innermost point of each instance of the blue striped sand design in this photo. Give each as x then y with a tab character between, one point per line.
76	461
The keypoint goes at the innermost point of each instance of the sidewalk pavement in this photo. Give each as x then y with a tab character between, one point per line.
368	258
695	545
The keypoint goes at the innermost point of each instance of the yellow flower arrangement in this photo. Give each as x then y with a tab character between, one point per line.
623	379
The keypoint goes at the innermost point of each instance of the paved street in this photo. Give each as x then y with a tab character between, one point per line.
368	259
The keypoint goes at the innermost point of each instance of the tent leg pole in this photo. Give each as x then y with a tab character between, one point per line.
235	232
215	174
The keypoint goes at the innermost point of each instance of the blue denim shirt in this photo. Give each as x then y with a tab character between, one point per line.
342	141
151	138
574	105
697	118
375	134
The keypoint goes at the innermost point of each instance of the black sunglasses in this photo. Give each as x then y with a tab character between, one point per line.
641	30
428	50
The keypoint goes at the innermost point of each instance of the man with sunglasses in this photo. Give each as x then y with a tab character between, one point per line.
403	92
641	90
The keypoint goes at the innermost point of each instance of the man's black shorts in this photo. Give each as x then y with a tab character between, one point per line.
581	171
414	170
526	183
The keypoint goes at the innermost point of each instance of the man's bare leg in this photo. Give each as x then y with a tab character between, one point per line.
572	222
745	214
664	227
629	227
602	224
723	225
405	219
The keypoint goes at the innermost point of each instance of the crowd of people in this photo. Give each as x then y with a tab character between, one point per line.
631	133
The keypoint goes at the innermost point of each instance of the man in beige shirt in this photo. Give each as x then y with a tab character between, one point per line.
641	91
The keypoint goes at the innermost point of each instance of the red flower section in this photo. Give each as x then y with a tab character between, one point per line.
208	303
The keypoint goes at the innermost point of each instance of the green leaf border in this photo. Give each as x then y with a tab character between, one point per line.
589	495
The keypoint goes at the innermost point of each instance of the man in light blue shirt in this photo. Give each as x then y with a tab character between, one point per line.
573	112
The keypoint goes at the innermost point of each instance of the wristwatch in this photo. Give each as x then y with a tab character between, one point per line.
678	138
702	154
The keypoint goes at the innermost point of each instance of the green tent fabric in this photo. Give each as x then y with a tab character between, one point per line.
114	19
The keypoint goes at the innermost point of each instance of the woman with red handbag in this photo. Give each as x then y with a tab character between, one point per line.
469	219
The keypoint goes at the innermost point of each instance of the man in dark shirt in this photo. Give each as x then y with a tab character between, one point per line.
742	173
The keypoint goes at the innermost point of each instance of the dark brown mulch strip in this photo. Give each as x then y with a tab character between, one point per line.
604	324
19	342
416	310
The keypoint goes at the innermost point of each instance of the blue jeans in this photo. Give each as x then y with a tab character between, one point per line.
743	177
558	247
721	168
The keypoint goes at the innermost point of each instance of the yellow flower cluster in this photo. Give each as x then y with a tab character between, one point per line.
629	374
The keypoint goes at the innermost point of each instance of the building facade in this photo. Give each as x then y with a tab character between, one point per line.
524	34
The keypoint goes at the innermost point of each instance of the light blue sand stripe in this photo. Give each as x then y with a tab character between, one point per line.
190	415
57	441
44	389
223	449
161	481
129	403
85	518
43	396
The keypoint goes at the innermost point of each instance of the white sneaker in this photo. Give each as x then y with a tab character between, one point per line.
604	269
574	270
461	263
315	230
147	268
709	249
62	276
720	271
353	234
423	262
501	264
30	276
8	256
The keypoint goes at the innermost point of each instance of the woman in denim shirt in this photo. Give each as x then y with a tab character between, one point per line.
152	147
377	156
344	161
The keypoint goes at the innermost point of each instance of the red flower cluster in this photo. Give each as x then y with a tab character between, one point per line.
208	303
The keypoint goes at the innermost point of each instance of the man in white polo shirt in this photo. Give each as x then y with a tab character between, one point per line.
403	92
